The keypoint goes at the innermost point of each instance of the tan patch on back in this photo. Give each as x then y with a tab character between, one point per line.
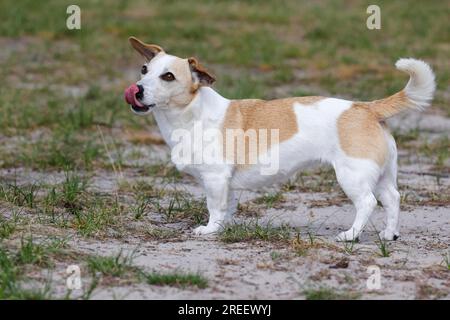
361	135
258	114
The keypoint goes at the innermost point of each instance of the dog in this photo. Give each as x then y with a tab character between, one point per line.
351	136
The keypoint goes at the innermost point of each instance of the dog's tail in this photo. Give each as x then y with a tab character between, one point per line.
417	94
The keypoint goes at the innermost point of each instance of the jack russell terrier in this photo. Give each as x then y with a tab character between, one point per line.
349	135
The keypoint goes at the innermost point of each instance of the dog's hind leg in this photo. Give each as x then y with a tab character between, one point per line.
358	179
233	202
386	192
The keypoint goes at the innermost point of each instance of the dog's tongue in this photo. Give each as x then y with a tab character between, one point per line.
130	96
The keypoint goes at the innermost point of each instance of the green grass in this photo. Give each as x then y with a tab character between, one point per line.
121	266
97	217
72	189
39	253
349	246
177	206
275	255
69	137
50	203
142	188
12	281
14	263
7	227
139	208
325	293
115	266
61	150
73	81
8	275
447	261
19	195
32	253
438	151
252	231
164	170
403	139
270	199
383	247
19	265
176	279
67	205
243	35
318	180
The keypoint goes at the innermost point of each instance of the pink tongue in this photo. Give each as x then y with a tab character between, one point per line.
130	96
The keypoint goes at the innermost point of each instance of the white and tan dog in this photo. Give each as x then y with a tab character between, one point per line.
351	136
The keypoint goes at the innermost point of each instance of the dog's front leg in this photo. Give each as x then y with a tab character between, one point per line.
217	190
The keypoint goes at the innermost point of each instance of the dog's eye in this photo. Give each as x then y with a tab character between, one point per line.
168	76
144	69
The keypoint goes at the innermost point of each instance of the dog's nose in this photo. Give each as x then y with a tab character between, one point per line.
140	93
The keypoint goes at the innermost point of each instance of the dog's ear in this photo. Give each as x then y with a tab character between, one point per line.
200	73
148	51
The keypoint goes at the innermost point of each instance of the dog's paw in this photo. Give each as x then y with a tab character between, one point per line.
208	229
347	236
389	235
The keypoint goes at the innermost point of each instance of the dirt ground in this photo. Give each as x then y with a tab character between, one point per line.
308	265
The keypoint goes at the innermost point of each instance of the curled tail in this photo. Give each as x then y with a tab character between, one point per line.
417	94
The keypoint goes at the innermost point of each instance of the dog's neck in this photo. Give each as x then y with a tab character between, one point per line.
207	106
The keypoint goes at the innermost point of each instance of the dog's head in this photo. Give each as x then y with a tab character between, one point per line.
166	81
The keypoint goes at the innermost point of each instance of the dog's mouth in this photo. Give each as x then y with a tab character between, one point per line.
133	96
142	109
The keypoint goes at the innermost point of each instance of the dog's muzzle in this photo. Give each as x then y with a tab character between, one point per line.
133	94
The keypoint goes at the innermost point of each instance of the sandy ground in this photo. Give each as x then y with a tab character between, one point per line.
248	271
414	269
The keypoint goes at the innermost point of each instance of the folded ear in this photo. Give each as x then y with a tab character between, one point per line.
148	51
200	73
